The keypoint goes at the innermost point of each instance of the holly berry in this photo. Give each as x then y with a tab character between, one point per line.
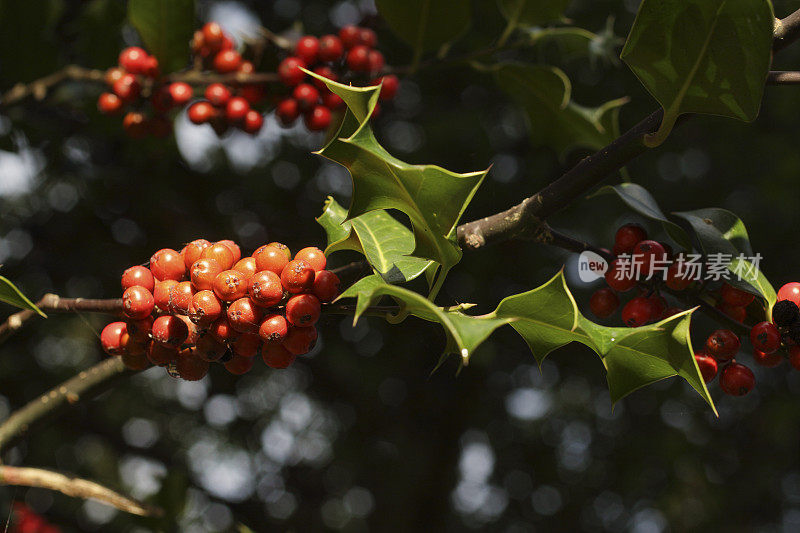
112	75
266	289
253	121
273	328
619	276
332	101
707	366
230	285
678	277
210	349
303	310
367	37
206	307
737	380
239	365
227	61
389	85
222	330
203	273
170	330
297	276
137	302
180	93
306	96
160	354
318	119
234	248
244	316
212	35
190	367
723	344
350	36
375	61
161	293
201	112
109	103
133	59
276	356
604	302
247	266
127	87
637	312
191	252
236	109
138	275
111	337
659	306
218	94
300	341
736	297
221	253
628	236
765	337
287	111
270	257
649	253
307	48
180	298
167	264
313	256
330	48
326	286
358	58
247	345
768	360
791	292
289	71
134	125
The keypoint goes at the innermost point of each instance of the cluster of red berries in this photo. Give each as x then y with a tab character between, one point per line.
26	520
350	54
206	303
225	106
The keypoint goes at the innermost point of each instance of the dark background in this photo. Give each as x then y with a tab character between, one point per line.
360	436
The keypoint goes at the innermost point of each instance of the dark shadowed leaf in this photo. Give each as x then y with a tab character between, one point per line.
166	27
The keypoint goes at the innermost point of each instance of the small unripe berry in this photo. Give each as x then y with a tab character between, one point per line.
707	366
620	277
167	264
307	48
313	256
287	111
239	365
358	58
276	356
306	96
133	59
604	302
222	331
350	36
137	302
190	367
236	109
191	252
303	310
227	61
170	330
785	313
289	71
297	276
221	253
138	275
111	337
161	293
109	103
791	292
638	312
265	288
180	298
272	258
203	273
768	360
627	237
180	93
244	316
273	328
201	112
247	345
330	48
723	344
737	380
205	308
159	354
326	286
300	341
230	285
218	94
318	119
765	337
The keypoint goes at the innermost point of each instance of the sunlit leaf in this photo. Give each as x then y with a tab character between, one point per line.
10	294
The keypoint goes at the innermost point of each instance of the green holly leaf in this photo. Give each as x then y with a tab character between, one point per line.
718	231
701	56
544	93
10	294
384	241
641	201
166	28
426	24
749	277
532	12
434	199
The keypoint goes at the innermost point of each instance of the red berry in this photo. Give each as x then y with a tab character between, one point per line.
112	75
313	256
218	94
375	61
170	330
326	286
212	35
358	58
205	308
247	345
201	112
297	276
237	252
239	364
236	109
737	380
604	302
303	310
325	72
190	367
137	302
244	316
209	348
287	111
791	292
707	366
300	341
307	48
389	85
638	312
167	264
350	36
266	289
678	277
230	285
138	275
273	328
735	297
659	306
620	276
135	125
247	266
159	354
283	248
627	237
318	119
794	357
765	337
133	59
332	101
252	93
227	61
270	257
737	313
180	298
109	103
306	96
723	344
203	273
289	71
221	253
191	252
222	331
330	48
768	360
161	293
151	67
367	37
276	356
111	337
127	87
650	255
180	93
140	329
253	121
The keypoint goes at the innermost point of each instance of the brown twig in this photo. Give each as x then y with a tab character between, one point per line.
74	487
783	77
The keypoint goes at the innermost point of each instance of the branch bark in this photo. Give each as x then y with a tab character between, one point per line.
74	487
